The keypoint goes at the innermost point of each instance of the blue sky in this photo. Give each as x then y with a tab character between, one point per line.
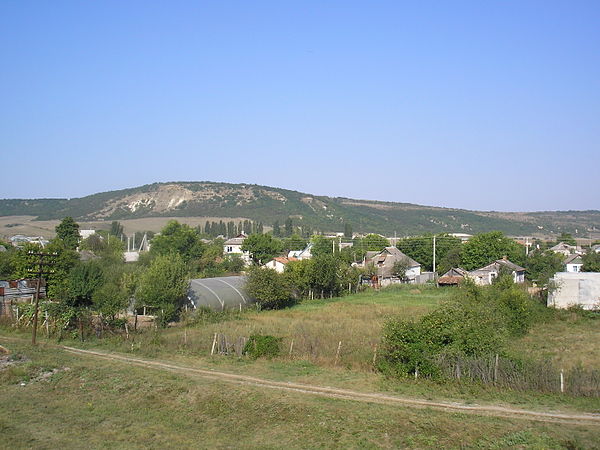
479	105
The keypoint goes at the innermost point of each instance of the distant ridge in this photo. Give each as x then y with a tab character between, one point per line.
267	204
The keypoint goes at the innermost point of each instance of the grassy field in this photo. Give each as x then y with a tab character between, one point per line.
112	405
102	404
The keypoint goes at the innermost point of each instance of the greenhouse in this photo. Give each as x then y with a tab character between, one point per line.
219	293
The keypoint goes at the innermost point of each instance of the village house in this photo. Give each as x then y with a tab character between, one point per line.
384	261
279	263
566	249
487	274
233	246
573	263
453	277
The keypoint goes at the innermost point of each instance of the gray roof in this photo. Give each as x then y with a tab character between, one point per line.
219	293
572	259
495	267
385	259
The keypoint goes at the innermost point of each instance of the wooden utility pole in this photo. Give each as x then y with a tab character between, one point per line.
41	269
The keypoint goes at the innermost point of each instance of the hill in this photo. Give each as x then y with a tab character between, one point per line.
267	204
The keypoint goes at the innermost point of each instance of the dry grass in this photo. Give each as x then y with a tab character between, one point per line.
568	339
102	404
317	327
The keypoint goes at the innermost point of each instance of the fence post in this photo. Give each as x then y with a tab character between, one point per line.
375	354
212	350
337	354
416	371
291	347
562	381
496	369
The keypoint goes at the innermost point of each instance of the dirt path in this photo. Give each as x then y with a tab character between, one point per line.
323	391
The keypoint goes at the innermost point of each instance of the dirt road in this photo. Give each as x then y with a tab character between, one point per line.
324	391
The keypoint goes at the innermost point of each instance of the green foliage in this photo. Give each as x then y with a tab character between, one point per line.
110	298
269	288
483	249
294	242
262	247
163	285
375	242
323	274
116	229
420	248
477	322
68	232
542	265
82	281
262	346
567	238
178	238
322	246
591	262
233	264
347	230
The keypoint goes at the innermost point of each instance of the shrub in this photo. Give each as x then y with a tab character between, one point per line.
259	345
475	323
269	288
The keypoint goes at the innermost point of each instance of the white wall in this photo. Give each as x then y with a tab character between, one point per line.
575	289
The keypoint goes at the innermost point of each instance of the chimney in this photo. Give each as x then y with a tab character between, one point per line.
505	258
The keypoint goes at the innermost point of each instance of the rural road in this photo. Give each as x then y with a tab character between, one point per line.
323	391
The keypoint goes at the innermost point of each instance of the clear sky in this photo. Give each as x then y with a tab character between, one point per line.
471	104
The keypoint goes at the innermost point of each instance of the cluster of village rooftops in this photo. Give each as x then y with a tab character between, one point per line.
571	286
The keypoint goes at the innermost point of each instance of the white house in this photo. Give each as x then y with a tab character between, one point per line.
573	263
279	263
302	254
566	249
575	289
233	246
484	276
84	234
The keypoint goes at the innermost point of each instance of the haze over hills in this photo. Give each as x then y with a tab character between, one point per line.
267	204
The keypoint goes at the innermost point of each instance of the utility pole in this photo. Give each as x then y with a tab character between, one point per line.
434	255
42	269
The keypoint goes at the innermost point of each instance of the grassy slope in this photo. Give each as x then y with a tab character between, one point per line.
140	407
326	213
99	404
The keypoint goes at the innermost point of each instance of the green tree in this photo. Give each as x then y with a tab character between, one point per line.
567	238
294	242
485	248
110	299
116	229
289	227
262	247
542	265
375	243
420	249
269	288
68	232
323	275
178	238
276	229
591	262
347	230
322	246
163	285
82	281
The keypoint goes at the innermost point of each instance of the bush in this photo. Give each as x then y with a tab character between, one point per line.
269	288
259	345
476	323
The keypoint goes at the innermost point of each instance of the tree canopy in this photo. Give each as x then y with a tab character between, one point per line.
485	248
262	247
68	232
